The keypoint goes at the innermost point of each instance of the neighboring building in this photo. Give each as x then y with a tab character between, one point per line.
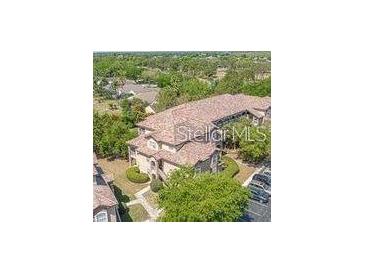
145	92
189	133
105	205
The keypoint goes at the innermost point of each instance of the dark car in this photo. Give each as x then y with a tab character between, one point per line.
262	178
258	194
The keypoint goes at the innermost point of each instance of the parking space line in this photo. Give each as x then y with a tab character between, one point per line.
257	203
249	211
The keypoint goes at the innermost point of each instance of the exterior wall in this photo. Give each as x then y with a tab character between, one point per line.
168	148
112	214
142	162
167	167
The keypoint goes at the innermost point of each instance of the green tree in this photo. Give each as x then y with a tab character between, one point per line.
110	135
256	146
205	197
260	88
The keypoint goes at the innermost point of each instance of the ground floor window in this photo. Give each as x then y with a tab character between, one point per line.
101	217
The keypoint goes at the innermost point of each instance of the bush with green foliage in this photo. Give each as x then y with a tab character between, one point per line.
258	147
110	134
134	175
205	197
231	167
156	185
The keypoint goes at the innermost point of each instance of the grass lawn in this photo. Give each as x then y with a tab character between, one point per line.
245	172
136	213
103	105
151	198
118	168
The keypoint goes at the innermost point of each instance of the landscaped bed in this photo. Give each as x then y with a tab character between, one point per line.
231	168
134	175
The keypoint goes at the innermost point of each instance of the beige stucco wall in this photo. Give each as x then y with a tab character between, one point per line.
142	162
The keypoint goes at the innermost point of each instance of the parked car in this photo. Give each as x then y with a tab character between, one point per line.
258	194
262	178
261	185
267	172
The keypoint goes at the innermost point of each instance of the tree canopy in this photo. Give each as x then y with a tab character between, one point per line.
110	134
204	197
253	142
186	77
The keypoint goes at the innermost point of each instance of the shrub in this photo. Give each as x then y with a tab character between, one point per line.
135	176
231	167
156	185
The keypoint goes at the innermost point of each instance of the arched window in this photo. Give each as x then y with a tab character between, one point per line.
102	216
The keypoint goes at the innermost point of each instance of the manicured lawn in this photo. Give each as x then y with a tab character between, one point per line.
118	169
136	213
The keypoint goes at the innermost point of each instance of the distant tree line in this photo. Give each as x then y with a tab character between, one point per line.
185	78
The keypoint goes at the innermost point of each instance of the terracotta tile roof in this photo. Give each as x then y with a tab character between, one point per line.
103	196
207	111
190	154
195	116
130	86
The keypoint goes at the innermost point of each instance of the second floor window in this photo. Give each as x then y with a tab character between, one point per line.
152	144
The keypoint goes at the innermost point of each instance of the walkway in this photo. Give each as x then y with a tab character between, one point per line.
140	199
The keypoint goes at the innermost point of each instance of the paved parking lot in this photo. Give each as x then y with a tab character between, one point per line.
258	212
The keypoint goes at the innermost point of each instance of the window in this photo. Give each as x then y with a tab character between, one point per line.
152	144
101	217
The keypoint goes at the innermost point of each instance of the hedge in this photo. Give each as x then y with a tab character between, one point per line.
135	176
156	185
231	167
